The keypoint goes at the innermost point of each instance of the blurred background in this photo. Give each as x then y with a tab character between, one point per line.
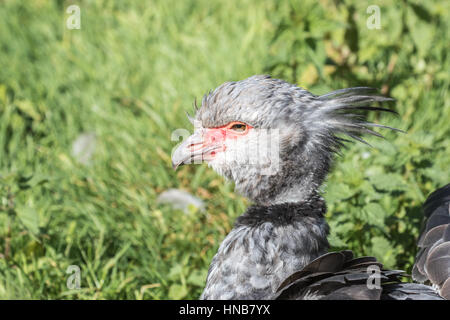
86	117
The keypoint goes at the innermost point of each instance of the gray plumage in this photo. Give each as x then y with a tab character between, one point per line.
433	259
278	247
266	245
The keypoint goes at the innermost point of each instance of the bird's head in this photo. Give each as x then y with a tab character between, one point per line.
273	139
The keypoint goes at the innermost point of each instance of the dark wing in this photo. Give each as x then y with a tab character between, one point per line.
409	291
339	276
433	259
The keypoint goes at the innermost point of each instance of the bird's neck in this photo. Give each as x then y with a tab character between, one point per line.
298	178
266	245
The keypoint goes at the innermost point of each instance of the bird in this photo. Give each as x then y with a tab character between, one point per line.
277	141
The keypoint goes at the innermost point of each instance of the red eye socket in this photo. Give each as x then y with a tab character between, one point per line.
238	127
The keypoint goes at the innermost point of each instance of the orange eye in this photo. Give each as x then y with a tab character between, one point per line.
238	127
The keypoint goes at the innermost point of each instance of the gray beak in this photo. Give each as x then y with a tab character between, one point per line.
190	150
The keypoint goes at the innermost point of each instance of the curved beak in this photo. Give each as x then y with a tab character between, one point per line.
195	149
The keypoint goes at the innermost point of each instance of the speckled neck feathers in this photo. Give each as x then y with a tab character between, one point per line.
266	245
299	177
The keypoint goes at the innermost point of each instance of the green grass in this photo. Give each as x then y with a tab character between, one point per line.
129	74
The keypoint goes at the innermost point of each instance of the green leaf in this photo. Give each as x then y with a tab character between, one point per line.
335	192
388	182
422	33
335	241
374	214
383	250
177	292
198	277
175	272
30	219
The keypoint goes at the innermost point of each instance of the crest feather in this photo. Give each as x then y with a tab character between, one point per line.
345	112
